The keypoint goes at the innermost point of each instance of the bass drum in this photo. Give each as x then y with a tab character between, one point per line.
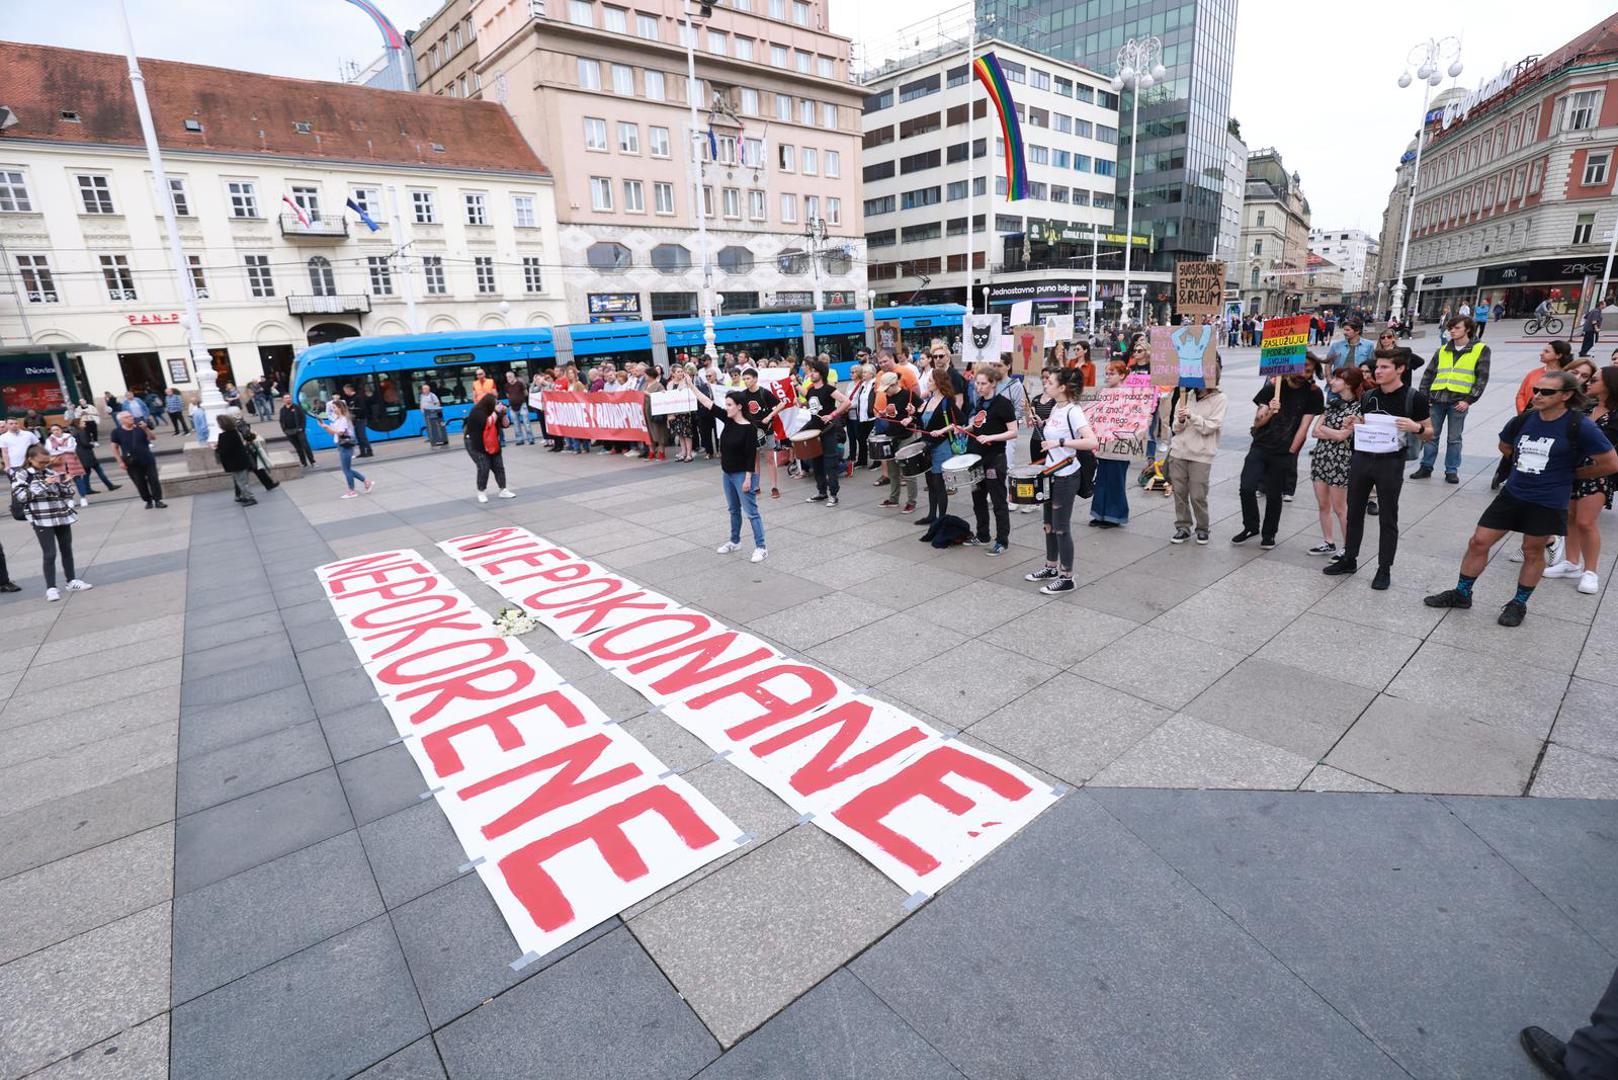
806	445
913	460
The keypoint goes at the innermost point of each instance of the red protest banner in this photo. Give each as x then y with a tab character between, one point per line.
578	414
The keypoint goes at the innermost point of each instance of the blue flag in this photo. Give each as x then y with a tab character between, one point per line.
358	209
713	146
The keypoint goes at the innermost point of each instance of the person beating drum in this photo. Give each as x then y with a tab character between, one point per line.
1065	432
897	411
826	407
992	426
937	421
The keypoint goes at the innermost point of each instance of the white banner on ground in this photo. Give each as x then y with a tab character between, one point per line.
920	806
567	818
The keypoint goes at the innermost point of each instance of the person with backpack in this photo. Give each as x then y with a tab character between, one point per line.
481	436
1378	462
1545	444
235	458
1063	436
1453	383
44	498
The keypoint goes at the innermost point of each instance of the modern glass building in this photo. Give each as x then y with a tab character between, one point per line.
1182	119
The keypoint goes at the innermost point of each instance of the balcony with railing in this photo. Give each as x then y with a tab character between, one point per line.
337	304
319	228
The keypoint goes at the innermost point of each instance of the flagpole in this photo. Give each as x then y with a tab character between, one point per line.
213	401
971	163
402	243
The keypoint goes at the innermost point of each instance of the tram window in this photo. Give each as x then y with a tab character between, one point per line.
392	397
452	384
315	393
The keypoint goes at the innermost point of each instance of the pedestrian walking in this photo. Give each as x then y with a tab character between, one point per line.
1453	383
133	445
481	436
63	449
1591	327
341	428
1592	494
295	426
174	405
84	448
359	416
46	499
234	458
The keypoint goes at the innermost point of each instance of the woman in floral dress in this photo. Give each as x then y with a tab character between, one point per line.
1328	465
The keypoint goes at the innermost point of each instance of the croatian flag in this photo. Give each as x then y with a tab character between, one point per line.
713	146
296	209
360	210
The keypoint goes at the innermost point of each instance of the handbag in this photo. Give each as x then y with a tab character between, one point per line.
491	436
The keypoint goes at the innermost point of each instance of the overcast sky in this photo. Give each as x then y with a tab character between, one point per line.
1315	81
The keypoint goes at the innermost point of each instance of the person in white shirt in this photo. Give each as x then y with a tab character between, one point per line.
14	444
1065	432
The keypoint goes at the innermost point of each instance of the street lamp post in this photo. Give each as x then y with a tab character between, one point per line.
692	92
1428	60
1140	66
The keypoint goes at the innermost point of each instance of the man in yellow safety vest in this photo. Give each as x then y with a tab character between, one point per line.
1453	383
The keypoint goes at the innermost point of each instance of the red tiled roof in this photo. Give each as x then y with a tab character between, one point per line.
251	114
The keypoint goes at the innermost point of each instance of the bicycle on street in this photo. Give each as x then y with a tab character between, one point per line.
1550	324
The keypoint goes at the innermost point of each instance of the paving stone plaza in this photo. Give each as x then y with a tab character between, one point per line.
1313	830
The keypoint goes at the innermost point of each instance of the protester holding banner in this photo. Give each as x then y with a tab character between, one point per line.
481	437
992	428
1109	506
1279	430
1197	420
1328	465
1063	434
681	425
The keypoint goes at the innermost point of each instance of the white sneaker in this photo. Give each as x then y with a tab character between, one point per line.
759	554
483	496
350	494
1589	583
77	585
1564	569
1555	548
52	595
507	493
1516	556
83	501
727	547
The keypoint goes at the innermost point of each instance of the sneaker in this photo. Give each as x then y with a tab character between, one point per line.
1028	510
1512	614
1382	580
909	508
350	494
1336	558
369	484
1449	598
507	493
1589	583
832	501
83	501
161	505
10	586
1555	548
1516	556
1544	1050
1044	573
1340	567
483	496
1202	536
972	541
1266	542
76	585
1372	508
816	498
1286	498
1323	549
727	547
1243	537
880	481
51	595
1060	585
921	521
998	550
1451	478
888	502
1180	536
759	554
1421	473
1564	569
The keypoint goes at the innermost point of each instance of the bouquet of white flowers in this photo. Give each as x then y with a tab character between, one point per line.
514	622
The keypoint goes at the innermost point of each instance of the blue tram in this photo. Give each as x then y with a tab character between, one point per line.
393	369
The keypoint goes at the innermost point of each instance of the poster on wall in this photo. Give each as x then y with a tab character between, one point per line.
179	371
1027	349
1199	288
1285	346
980	339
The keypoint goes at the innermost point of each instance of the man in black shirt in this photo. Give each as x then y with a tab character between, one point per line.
1279	430
759	408
991	427
133	445
359	411
294	425
826	407
1379	467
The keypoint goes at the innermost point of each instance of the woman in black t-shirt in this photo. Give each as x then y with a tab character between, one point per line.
738	463
991	427
936	422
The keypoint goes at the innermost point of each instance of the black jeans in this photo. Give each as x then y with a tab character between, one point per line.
1059	522
486	463
937	496
1593	1050
1385	473
178	420
1588	342
859	436
144	474
992	488
363	438
53	538
829	465
300	443
1270	471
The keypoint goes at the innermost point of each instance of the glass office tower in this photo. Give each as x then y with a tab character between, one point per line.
1183	120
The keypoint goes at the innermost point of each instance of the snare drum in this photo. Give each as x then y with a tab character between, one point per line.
1030	485
806	445
880	447
963	471
914	459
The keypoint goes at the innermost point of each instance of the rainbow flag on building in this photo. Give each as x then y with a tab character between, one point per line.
987	69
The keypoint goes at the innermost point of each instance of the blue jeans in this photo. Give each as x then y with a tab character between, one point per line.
1444	412
738	500
345	458
525	433
1110	502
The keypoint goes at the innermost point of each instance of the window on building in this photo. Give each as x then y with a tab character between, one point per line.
1106	167
199	276
825	67
757	206
119	280
307	199
522	212
783	107
600	193
735	259
879	206
929	196
811	209
179	197
1582	109
259	282
749	101
1039	80
671	259
1106	134
322	282
1038	155
1583	228
580	13
477	208
957	76
657	139
809	161
789	208
533	275
14	193
1261	219
483	273
753	152
623	80
1595	168
800	12
369	200
589	74
806	111
628	138
656	86
38	283
432	269
778	56
425	207
882	238
95	192
1064	86
381	275
717	42
1258	247
834	210
243	196
646	26
778	9
634	197
786	157
662	197
607	256
595	133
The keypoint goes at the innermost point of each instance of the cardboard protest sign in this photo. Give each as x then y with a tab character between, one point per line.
668	402
1121	417
1285	346
1027	349
1199	288
980	339
577	414
889	338
1196	352
920	808
567	818
1058	328
1165	361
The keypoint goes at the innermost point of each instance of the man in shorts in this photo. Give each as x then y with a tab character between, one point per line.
1546	445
